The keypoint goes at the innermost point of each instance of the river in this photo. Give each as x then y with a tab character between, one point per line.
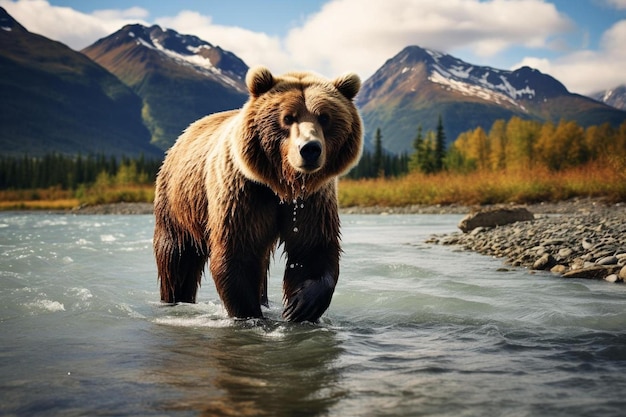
413	329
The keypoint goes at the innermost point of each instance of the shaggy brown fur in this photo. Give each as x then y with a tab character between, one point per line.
236	183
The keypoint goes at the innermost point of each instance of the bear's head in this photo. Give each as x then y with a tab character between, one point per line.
299	131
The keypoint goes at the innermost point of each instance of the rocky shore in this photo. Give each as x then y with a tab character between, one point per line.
576	239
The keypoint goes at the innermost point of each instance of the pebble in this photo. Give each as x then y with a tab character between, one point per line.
573	242
612	278
607	260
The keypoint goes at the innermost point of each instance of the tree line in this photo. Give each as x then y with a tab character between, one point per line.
428	156
378	163
70	172
516	144
520	144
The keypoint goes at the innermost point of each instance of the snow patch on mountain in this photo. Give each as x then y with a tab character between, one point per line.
142	41
435	54
192	60
197	49
484	82
607	95
472	90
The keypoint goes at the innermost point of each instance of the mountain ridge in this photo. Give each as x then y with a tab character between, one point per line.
418	84
615	97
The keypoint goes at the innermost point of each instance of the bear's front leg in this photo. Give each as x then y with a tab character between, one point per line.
240	279
242	239
313	251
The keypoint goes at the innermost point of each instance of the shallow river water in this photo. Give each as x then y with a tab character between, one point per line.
413	330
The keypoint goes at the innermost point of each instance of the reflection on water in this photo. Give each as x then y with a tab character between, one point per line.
258	367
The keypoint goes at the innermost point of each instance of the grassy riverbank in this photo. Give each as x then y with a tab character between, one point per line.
415	189
58	199
486	188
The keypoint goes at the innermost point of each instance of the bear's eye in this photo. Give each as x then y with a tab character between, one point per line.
289	119
323	119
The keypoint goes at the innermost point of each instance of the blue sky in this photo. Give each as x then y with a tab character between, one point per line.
580	42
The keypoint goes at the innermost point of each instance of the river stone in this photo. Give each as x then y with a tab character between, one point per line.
546	261
608	260
492	217
558	269
622	273
612	278
565	252
594	272
602	254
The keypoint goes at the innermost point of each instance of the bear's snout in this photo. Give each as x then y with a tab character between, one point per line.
306	148
310	152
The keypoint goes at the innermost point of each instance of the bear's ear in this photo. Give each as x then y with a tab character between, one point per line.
259	80
348	85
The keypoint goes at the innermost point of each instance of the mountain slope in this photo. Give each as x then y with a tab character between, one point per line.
55	99
418	85
615	97
179	77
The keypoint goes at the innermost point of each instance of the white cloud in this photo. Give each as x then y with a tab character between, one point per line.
345	35
588	71
353	35
114	14
64	24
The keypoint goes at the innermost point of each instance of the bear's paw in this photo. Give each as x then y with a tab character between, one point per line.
309	301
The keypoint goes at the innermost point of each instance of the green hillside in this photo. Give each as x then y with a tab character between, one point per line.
56	99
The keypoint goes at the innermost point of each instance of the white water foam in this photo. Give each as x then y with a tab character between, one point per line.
46	305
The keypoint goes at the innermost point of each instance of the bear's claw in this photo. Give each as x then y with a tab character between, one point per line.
310	300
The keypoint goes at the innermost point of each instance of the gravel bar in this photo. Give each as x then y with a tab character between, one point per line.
576	239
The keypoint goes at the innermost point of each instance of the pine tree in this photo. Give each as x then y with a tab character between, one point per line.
418	145
440	146
378	154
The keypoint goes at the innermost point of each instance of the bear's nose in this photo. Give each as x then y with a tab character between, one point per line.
311	152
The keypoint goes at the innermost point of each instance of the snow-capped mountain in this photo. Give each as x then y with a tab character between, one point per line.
190	51
498	86
180	77
615	97
418	85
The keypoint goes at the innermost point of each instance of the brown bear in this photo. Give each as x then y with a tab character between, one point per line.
237	183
